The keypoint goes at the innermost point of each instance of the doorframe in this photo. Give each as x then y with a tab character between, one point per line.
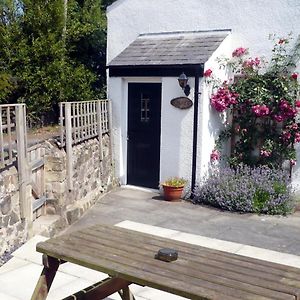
124	121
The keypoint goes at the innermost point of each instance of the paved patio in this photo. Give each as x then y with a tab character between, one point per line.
270	238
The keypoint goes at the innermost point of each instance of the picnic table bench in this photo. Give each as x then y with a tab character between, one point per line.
127	257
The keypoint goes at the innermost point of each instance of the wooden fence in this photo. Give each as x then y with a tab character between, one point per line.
81	121
36	155
13	147
12	128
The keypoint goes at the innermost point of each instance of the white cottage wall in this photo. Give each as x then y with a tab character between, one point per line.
116	94
176	128
210	121
251	23
176	132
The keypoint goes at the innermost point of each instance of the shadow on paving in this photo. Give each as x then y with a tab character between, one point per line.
270	232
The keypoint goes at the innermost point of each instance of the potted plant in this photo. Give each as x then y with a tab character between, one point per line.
173	188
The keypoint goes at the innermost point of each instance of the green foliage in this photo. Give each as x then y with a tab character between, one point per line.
46	58
247	189
263	101
260	198
175	182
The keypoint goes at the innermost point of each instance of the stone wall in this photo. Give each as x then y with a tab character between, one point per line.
92	176
13	230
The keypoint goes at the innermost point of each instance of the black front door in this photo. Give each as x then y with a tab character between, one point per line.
143	151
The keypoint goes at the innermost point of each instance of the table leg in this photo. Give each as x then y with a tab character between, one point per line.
42	288
126	294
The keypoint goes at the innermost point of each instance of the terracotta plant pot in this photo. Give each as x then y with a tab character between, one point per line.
172	193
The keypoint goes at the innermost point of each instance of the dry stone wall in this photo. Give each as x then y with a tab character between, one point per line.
13	230
92	176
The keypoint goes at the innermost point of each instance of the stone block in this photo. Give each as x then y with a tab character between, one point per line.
15	200
59	187
48	187
50	210
4	222
14	218
5	205
9	182
52	159
9	231
20	227
52	176
55	166
73	215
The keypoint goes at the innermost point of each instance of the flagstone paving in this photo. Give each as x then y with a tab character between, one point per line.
270	238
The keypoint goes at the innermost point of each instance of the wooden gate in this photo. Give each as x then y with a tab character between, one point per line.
36	154
29	162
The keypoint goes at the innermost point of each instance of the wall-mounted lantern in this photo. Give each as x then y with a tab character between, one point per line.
183	80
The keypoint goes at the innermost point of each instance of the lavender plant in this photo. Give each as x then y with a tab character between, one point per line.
245	189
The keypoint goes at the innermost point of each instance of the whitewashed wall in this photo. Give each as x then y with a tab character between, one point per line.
210	121
251	23
176	127
176	132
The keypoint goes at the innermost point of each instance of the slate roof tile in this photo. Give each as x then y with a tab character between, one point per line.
170	48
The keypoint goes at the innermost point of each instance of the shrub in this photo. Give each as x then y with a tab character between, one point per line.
175	182
263	99
245	189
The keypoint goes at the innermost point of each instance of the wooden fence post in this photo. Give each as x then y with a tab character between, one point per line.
2	163
68	124
25	202
61	122
110	129
99	128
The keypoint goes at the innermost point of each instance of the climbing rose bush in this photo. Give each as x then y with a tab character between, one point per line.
263	99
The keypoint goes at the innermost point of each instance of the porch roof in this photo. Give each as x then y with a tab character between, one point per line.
169	49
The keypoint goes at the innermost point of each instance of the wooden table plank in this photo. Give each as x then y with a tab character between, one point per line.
130	255
135	272
203	254
181	269
194	263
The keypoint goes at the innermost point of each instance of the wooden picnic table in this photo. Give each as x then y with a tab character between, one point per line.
127	256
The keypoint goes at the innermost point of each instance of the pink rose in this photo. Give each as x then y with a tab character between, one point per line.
207	73
297	103
287	110
261	110
293	162
215	155
223	98
294	76
278	118
265	153
250	63
282	41
239	52
297	137
286	136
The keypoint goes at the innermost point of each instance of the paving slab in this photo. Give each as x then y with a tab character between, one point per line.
276	233
272	238
13	264
27	251
7	297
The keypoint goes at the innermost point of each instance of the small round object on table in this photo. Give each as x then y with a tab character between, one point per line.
167	254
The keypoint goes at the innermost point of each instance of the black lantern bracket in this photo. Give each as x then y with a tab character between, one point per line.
183	83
